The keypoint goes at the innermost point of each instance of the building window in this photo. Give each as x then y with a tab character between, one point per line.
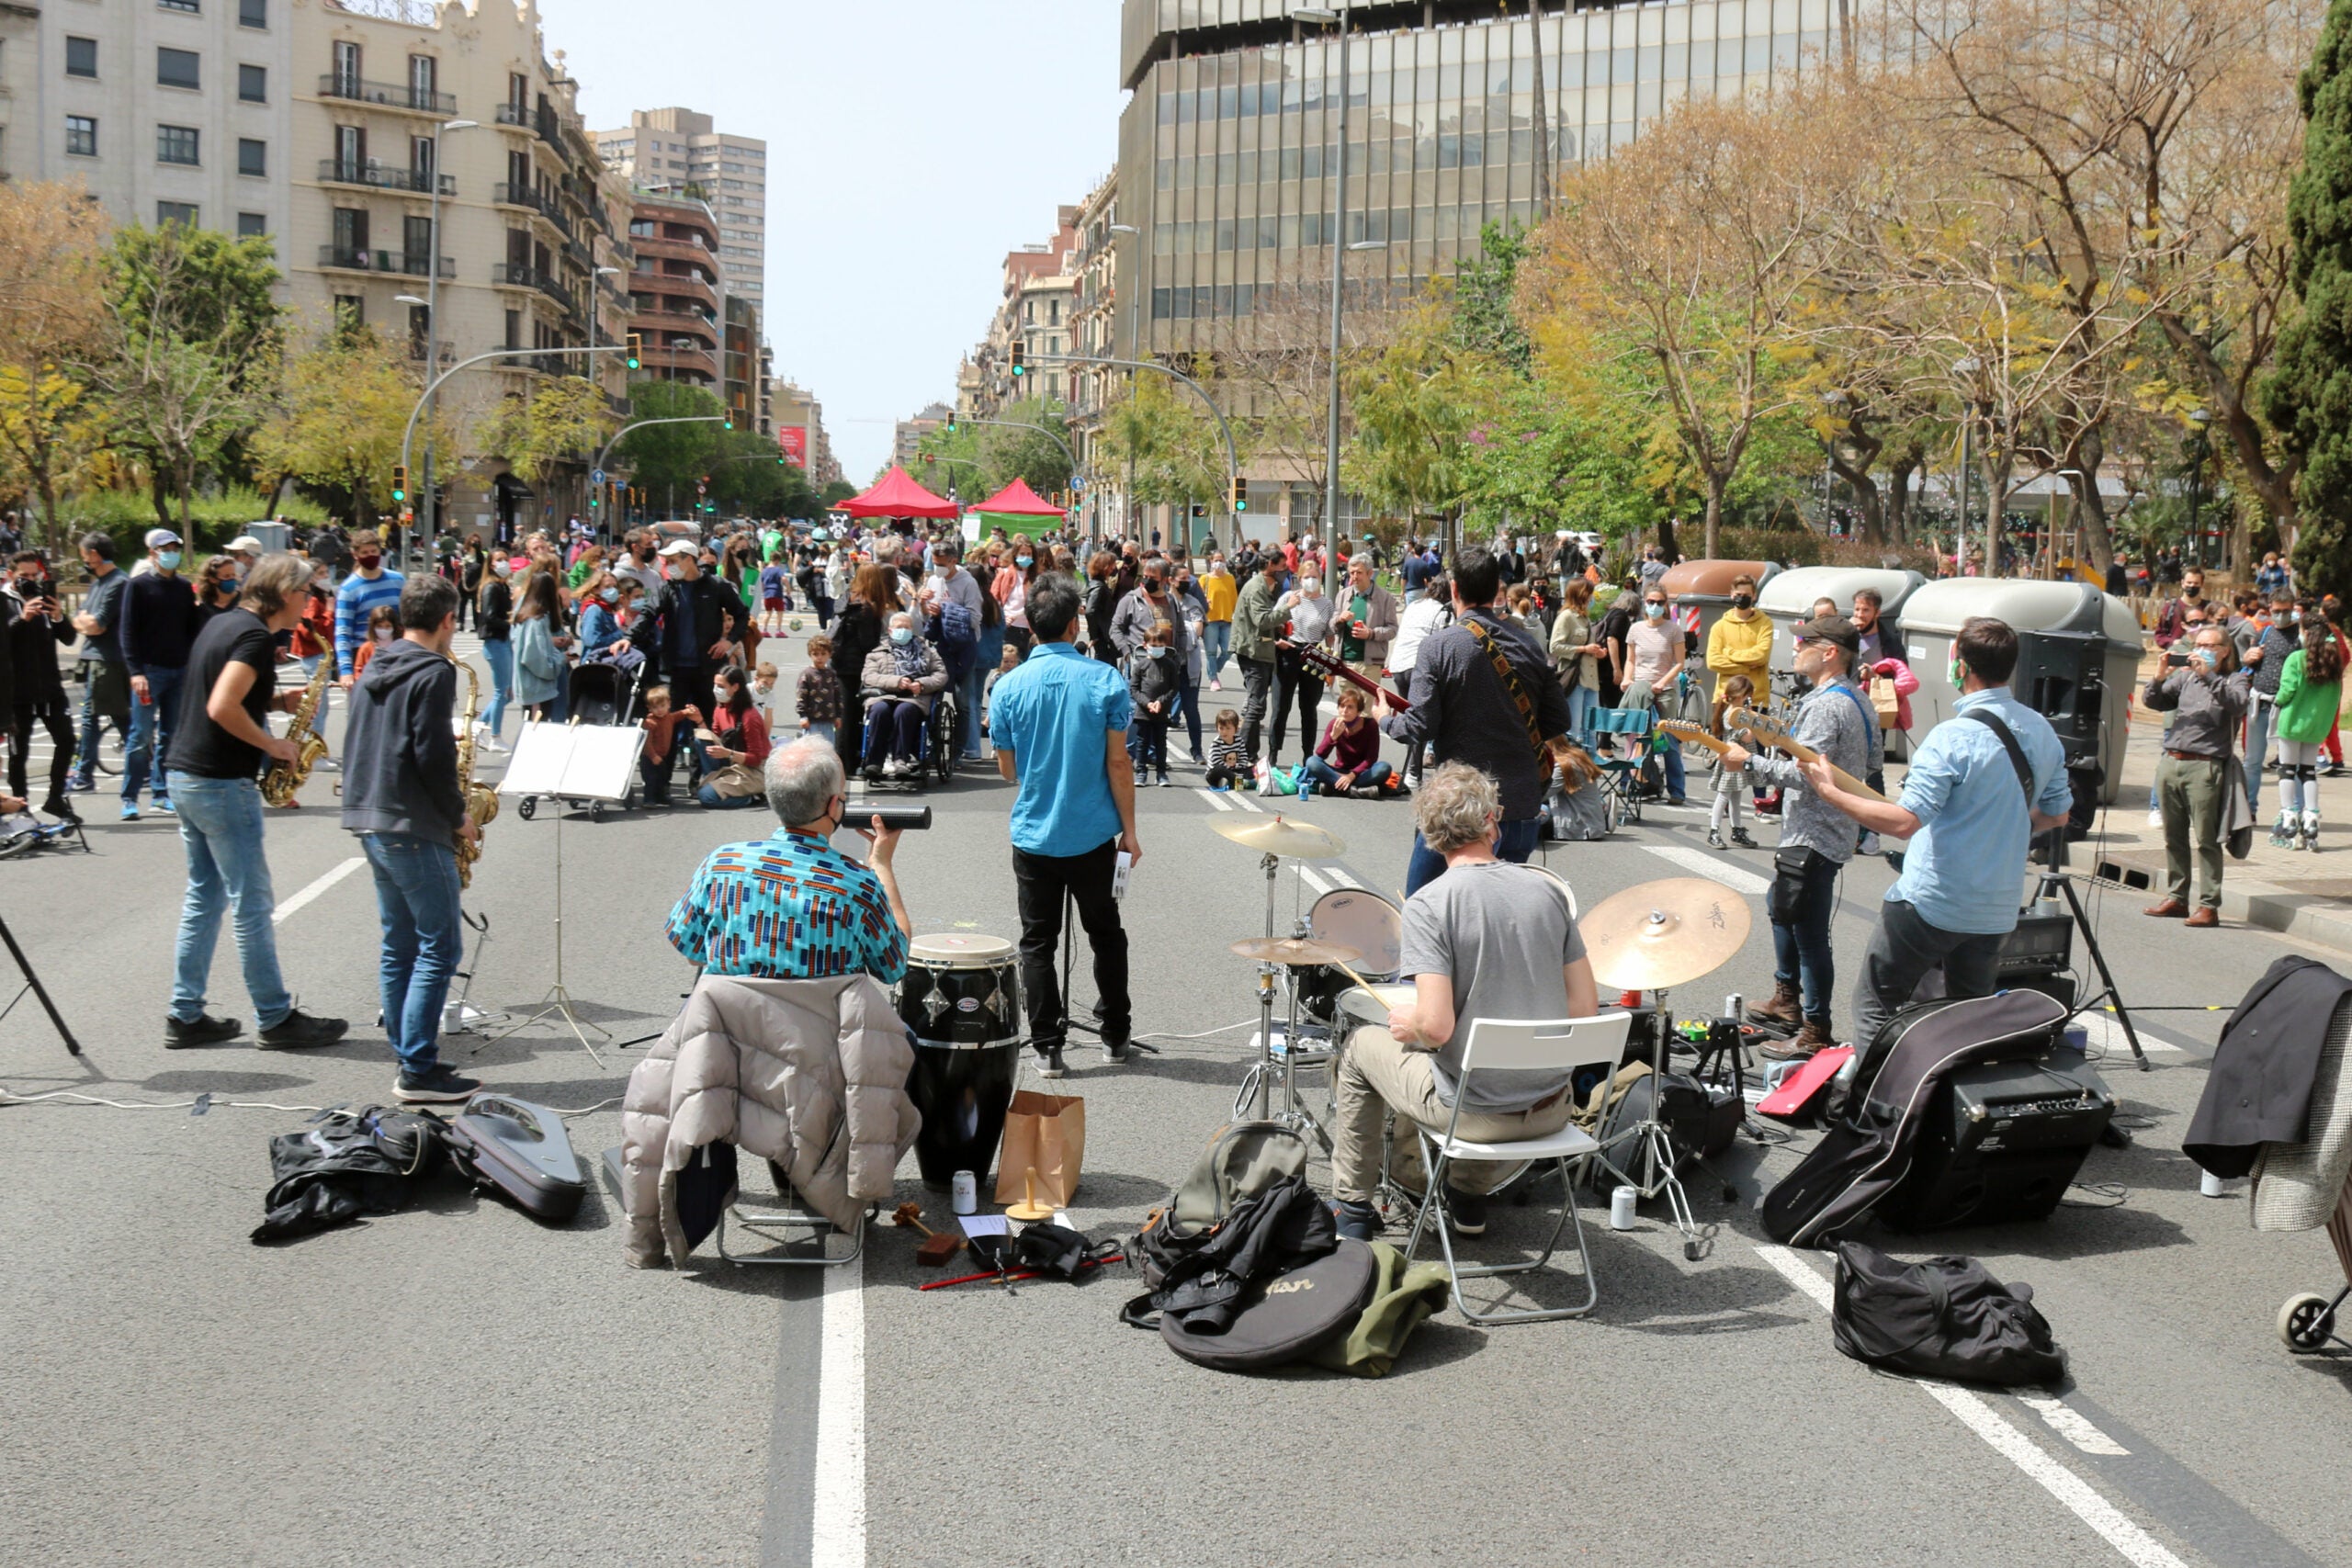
177	144
252	157
253	225
253	12
252	84
418	315
81	57
514	329
191	6
518	91
178	68
346	69
81	135
180	213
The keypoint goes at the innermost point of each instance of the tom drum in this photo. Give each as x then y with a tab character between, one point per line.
1351	917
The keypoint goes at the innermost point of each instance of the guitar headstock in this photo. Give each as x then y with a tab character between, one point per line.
1763	729
1683	729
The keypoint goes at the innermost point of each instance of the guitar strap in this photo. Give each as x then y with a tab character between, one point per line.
1511	684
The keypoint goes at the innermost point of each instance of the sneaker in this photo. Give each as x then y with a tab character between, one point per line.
1677	800
494	746
1164	782
1142	778
1358	1222
1115	1051
1216	685
165	807
2155	819
1467	1210
1714	839
1199	761
970	757
1049	1063
80	783
131	811
1870	843
297	1031
1740	836
203	1029
440	1084
328	765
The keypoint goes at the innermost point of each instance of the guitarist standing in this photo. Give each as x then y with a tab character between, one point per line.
1484	692
1816	838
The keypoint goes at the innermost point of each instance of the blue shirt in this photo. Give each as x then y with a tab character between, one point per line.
354	601
1055	715
788	908
1965	868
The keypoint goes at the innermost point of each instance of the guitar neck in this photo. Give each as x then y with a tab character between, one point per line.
1765	734
1338	669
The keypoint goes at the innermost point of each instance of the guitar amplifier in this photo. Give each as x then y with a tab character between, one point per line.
2001	1141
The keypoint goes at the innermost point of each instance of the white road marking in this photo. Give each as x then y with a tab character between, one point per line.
2072	1425
300	899
2106	1032
2139	1548
1214	799
1708	866
1314	879
1247	804
837	1506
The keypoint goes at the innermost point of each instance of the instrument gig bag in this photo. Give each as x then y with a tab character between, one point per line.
520	1150
1941	1317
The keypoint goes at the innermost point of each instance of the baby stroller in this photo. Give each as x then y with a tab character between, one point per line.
607	695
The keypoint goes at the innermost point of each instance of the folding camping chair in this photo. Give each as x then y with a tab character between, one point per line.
1554	1045
1621	777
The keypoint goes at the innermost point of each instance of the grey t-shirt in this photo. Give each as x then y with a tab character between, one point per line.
1502	933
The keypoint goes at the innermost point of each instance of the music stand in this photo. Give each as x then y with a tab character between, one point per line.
40	992
575	762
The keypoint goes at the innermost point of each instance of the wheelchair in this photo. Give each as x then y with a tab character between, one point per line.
941	727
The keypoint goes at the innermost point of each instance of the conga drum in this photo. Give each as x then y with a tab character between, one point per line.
961	999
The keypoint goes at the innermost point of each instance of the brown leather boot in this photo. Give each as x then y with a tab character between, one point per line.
1814	1036
1786	1005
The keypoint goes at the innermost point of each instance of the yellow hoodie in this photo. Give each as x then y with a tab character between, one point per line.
1741	647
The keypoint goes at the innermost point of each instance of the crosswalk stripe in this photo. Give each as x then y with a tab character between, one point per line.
302	899
1707	866
1214	799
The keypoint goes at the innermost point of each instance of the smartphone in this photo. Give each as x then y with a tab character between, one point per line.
2176	657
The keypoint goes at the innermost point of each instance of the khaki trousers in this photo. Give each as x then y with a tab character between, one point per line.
2193	796
1377	1073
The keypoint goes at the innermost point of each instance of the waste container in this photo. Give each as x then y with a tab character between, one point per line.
1789	597
1705	586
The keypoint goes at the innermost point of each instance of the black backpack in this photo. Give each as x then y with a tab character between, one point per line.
1943	1317
347	1164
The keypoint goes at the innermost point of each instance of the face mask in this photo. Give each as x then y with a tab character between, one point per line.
1742	600
384	633
761	688
1021	560
369	563
902	634
1158	653
168	560
609	596
1654	612
2205	656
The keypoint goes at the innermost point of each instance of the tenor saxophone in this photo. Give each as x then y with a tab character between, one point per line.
279	784
481	801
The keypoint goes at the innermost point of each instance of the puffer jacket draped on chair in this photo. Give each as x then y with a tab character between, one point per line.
809	1074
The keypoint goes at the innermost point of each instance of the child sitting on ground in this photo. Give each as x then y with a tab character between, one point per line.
1348	761
1573	810
1154	678
1738	692
1228	764
659	759
816	696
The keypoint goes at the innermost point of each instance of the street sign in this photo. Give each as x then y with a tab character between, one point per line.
596	476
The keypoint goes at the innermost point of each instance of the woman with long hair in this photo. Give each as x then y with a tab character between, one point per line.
2310	689
729	765
538	660
858	630
1102	604
494	618
1012	591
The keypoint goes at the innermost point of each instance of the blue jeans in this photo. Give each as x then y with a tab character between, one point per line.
2258	725
967	709
1515	843
99	696
1801	951
150	735
1216	646
416	897
1670	753
221	831
500	656
1582	700
1323	772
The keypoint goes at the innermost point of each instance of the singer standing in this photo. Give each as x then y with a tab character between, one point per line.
1060	722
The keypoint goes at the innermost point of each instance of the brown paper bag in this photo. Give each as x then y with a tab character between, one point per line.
1883	699
1047	1131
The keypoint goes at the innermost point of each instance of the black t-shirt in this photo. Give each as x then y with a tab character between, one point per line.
200	747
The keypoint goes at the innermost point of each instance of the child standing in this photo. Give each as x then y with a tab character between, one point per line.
658	761
817	696
1228	764
1008	660
1152	679
771	600
2310	692
1738	691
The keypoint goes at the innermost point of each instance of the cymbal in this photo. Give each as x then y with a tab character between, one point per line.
1663	933
1276	836
1295	950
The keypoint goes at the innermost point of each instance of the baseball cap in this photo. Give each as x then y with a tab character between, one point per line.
1832	628
245	542
158	538
679	547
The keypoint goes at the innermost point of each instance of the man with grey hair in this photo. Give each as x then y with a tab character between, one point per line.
1488	939
791	906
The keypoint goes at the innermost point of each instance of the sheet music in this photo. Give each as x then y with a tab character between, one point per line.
581	762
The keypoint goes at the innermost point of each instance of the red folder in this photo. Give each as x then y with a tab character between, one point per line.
1798	1088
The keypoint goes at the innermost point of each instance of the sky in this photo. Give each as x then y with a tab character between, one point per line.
911	143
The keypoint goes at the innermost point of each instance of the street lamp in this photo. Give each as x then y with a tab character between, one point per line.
1335	17
432	302
1967	369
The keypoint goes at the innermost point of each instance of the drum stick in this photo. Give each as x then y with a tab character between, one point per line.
1358	978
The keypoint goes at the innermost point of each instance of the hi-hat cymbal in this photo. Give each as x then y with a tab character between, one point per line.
1296	951
1276	836
1663	933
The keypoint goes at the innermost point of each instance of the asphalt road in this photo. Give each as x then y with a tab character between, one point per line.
460	1384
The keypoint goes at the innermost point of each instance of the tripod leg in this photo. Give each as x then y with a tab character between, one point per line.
39	991
2098	960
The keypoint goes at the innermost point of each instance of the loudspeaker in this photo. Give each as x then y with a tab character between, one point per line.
2002	1140
2063	677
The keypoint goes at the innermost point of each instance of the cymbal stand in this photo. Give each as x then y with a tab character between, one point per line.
1652	1144
1263	1072
38	991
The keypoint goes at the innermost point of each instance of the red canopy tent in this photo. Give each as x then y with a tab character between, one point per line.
1016	506
898	496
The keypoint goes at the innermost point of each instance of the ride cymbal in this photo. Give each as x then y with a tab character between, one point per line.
1296	951
1663	933
1277	836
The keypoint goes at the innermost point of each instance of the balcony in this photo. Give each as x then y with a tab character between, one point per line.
342	258
387	95
376	176
681	364
516	117
662	326
445	357
506	195
655	247
509	275
666	287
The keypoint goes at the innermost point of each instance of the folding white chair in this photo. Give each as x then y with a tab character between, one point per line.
1555	1047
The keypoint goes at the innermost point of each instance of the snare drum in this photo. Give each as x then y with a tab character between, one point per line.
961	999
1357	917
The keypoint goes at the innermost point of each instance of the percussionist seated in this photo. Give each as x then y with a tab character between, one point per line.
1488	939
791	906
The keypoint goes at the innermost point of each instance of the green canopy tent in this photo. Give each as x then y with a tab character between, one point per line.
1017	509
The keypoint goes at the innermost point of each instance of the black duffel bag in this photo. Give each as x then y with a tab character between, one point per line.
1941	1317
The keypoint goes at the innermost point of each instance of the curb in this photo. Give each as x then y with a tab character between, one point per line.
2326	923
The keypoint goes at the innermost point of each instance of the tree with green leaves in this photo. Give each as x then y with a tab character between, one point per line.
50	426
1162	445
669	459
334	430
562	421
2309	398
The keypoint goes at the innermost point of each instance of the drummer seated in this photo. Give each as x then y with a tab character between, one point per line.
791	906
1488	938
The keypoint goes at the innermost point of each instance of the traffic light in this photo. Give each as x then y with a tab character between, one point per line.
1020	366
951	424
1240	493
636	349
400	482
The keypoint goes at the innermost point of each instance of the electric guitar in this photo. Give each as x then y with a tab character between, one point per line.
1764	733
1317	658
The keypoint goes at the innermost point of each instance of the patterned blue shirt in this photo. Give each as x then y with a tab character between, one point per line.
788	908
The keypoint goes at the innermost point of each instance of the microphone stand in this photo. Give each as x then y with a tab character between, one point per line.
2054	882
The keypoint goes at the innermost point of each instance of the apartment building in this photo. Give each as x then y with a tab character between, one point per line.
799	421
1038	309
165	110
1094	261
906	448
677	152
676	288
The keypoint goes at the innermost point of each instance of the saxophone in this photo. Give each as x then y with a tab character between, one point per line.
284	779
481	801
